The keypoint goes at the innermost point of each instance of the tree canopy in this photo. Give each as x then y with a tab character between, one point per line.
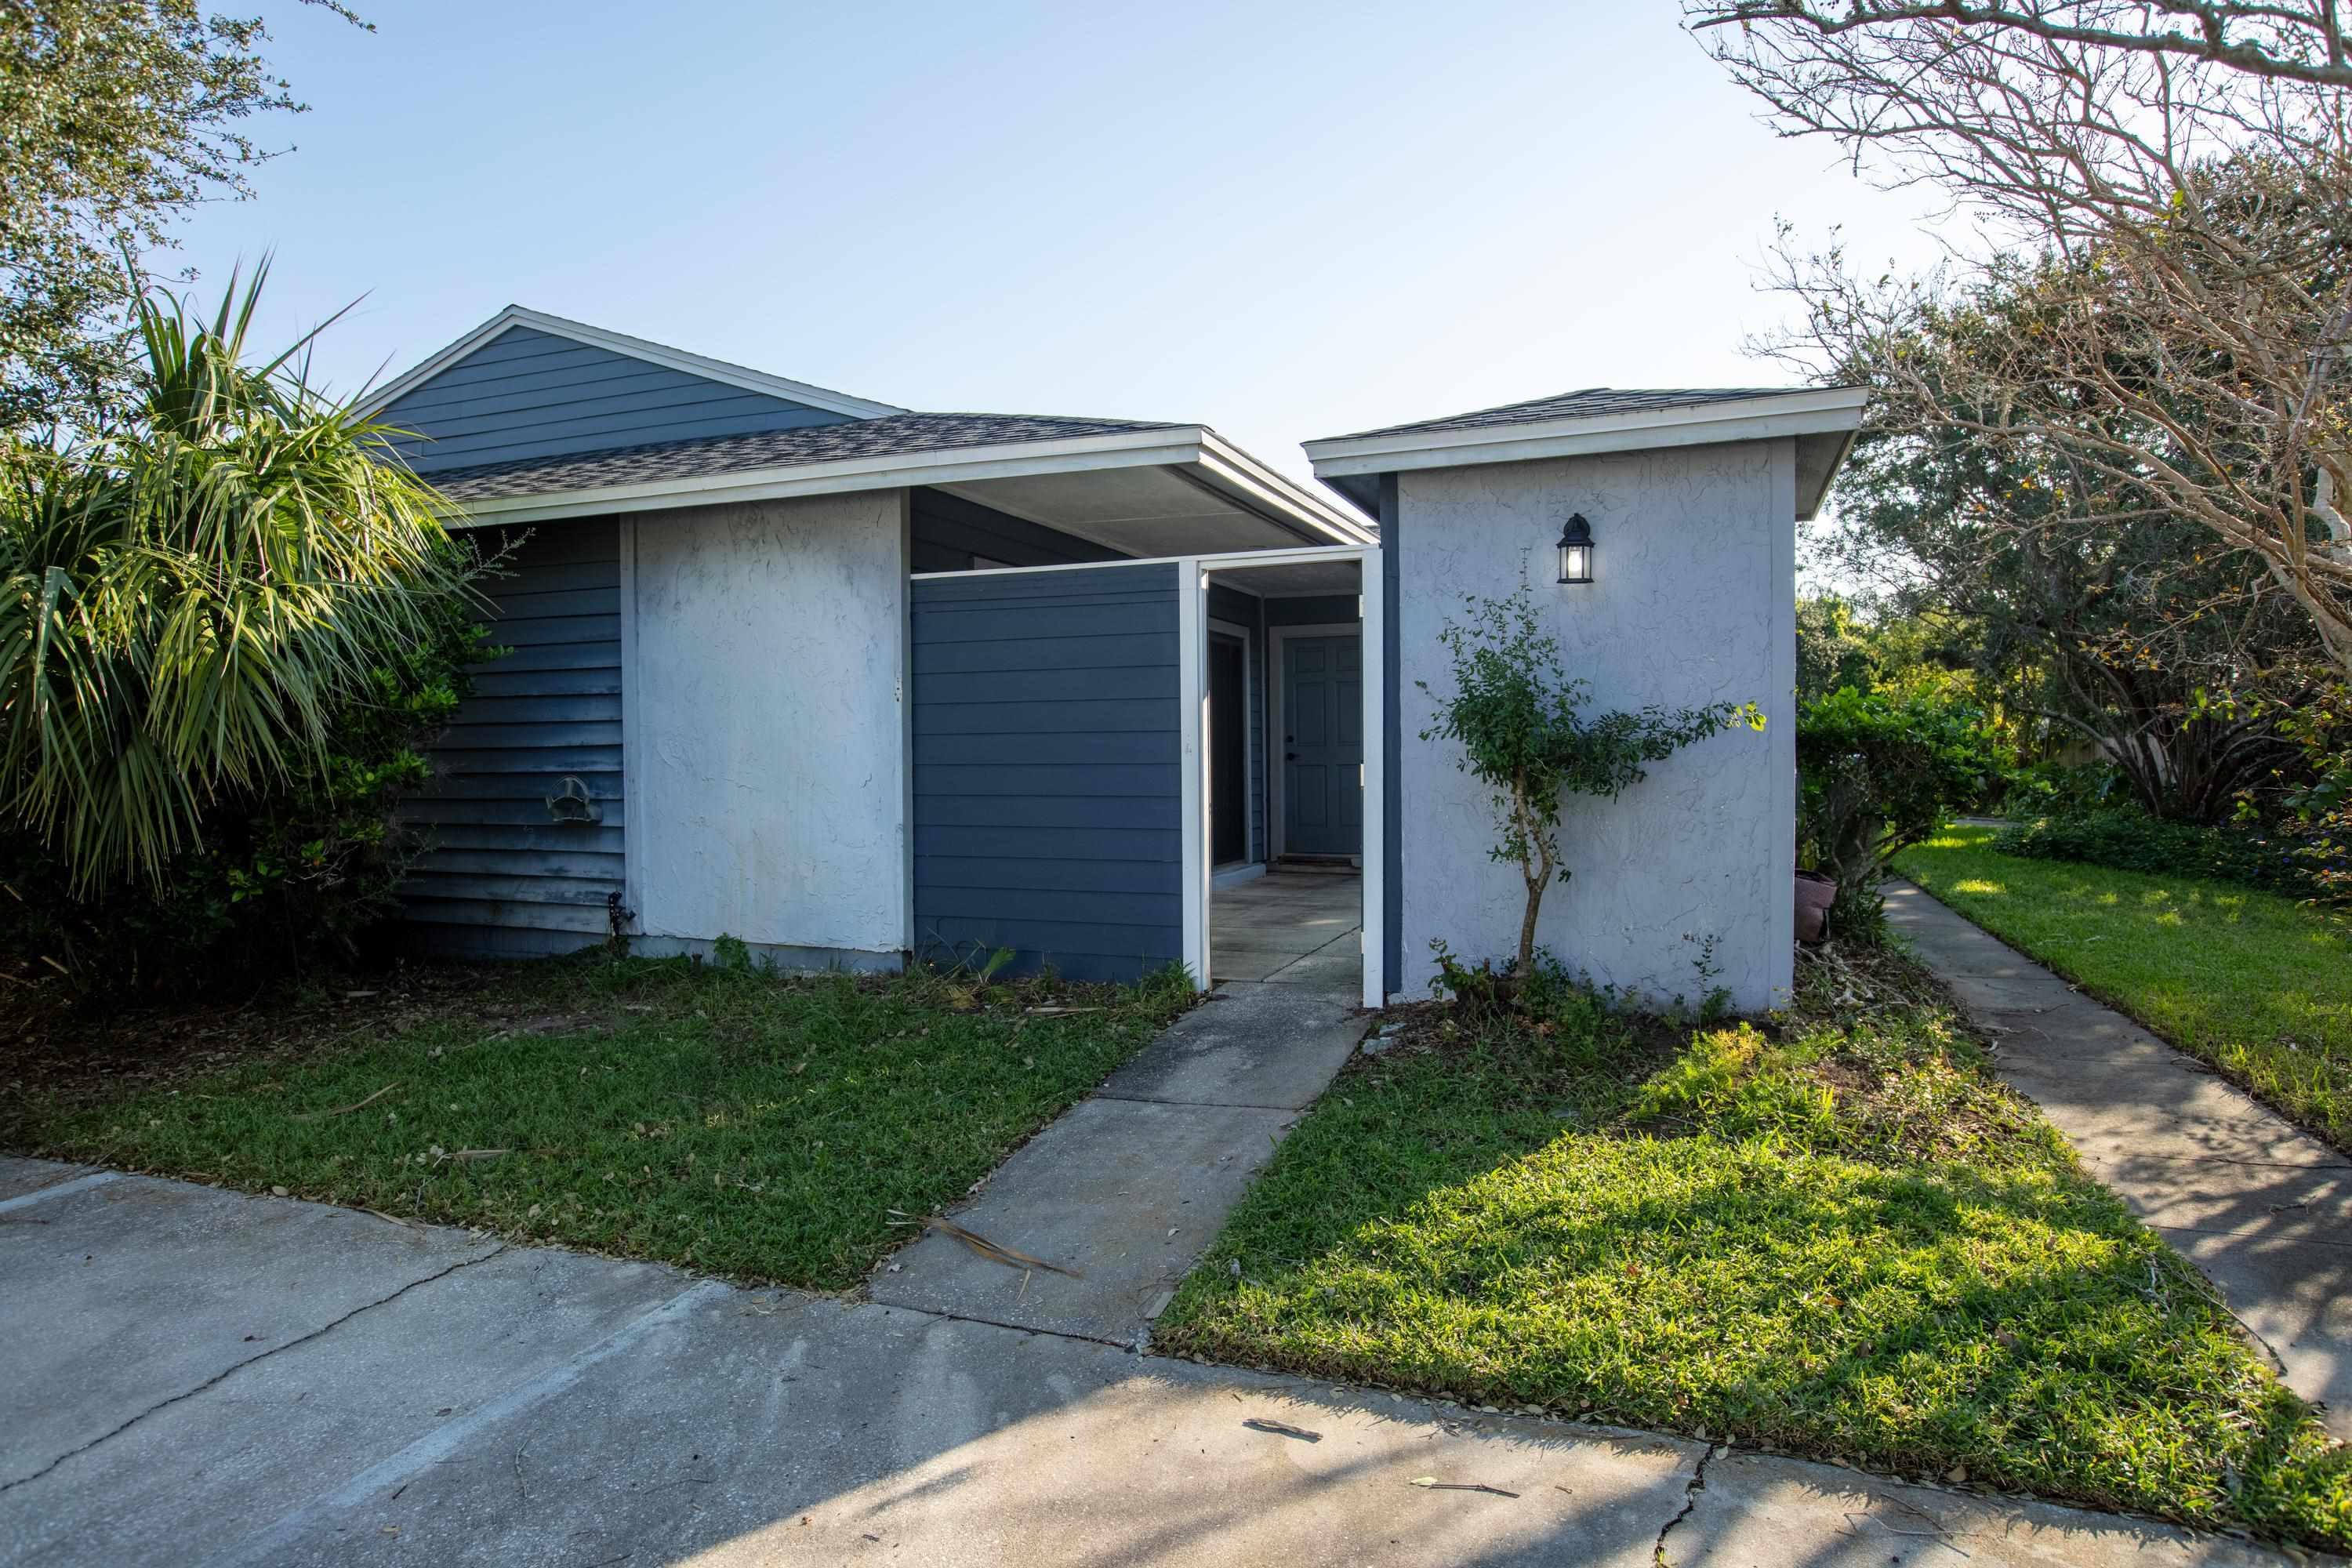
2157	311
119	115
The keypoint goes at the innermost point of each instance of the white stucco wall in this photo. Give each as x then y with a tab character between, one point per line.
766	724
1693	602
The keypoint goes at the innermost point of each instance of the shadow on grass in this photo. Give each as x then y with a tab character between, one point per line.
2253	982
1438	1224
758	1126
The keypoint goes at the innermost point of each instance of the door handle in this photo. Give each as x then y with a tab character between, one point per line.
1290	756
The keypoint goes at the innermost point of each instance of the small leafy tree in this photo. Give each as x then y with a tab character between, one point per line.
121	116
1876	776
1515	712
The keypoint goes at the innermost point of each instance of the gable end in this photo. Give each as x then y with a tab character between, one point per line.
526	393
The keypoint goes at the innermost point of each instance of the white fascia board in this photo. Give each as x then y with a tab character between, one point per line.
1229	465
636	348
1011	460
1228	561
1814	411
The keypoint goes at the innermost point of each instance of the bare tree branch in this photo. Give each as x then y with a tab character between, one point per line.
2163	296
2287	43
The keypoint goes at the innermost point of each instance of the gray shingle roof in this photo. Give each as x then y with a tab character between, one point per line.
1590	404
891	436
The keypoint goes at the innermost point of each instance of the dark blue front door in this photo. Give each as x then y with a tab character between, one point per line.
1323	745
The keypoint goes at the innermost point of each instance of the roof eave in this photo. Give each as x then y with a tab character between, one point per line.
1218	461
1813	411
1263	485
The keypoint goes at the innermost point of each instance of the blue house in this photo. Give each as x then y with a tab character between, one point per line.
852	683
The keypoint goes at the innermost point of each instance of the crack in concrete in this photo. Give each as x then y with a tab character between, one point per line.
1690	1501
941	1315
229	1372
1312	953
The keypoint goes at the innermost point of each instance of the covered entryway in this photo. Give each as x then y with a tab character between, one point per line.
1294	911
1100	783
1297	924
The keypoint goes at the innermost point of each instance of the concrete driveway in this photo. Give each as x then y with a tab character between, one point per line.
195	1376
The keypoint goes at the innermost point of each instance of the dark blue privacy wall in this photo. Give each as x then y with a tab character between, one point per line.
1047	777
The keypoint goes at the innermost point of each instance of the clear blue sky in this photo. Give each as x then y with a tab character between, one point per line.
1286	221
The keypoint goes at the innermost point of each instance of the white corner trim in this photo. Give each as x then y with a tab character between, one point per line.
1193	766
710	368
1372	664
1807	412
905	688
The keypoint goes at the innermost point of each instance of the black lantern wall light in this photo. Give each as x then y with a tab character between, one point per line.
1576	550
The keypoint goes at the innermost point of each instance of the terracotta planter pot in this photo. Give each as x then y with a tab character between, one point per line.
1815	894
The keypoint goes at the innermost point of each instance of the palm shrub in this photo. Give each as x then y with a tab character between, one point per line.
1875	776
229	619
1519	719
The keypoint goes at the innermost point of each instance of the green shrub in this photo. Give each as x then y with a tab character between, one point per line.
277	879
230	618
1518	717
2129	839
2043	789
1876	776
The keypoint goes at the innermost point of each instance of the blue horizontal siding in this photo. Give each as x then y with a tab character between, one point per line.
1047	779
503	878
1065	873
1120	744
949	534
529	394
981	840
1107	653
1159	813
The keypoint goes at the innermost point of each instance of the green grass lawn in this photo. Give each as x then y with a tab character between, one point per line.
2252	982
753	1126
1837	1237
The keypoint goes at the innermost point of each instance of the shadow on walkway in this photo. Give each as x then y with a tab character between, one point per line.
2261	1206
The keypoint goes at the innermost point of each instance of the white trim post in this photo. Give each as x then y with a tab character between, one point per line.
1372	661
1193	759
906	686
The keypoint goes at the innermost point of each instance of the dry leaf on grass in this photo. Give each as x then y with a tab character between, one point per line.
355	1105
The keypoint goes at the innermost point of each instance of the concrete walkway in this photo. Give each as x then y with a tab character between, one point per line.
1300	927
2261	1206
190	1376
1130	1185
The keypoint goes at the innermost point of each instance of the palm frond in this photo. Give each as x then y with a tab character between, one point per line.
188	600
